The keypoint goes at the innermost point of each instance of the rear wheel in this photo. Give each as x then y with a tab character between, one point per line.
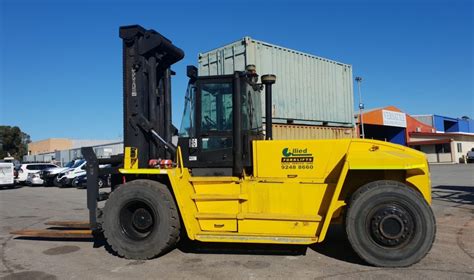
141	220
389	224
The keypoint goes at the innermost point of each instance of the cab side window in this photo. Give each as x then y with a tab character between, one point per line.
216	107
216	116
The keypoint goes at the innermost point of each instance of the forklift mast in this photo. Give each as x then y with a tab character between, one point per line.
147	58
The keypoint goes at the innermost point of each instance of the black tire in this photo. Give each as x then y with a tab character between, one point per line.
389	224
127	216
46	182
56	182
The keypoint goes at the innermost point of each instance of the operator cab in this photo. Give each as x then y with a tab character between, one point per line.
216	140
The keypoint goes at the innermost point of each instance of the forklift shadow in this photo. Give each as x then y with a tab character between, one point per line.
337	246
460	195
196	247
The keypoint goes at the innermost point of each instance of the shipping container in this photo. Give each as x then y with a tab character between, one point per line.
294	132
309	89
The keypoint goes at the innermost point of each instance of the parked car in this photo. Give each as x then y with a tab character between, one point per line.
27	168
34	179
7	178
66	177
81	181
50	175
470	156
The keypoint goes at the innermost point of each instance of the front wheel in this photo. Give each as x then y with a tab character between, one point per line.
389	224
141	220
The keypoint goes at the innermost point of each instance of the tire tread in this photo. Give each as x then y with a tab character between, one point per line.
166	197
378	184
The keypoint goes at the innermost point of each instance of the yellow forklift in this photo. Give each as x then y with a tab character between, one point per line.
227	180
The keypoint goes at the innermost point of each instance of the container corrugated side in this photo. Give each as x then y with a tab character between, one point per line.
309	89
295	132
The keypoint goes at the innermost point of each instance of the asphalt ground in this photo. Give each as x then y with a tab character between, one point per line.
29	207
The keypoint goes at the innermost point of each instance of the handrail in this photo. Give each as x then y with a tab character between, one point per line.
179	159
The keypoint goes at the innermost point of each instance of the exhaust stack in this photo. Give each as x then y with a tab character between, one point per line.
268	80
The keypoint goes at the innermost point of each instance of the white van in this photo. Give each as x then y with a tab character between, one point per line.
7	178
66	177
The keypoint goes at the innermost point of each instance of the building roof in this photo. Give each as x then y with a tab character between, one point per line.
441	134
429	142
377	117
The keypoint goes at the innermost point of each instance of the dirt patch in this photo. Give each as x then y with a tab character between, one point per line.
61	250
464	238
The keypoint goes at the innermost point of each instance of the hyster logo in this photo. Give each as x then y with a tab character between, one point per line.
296	155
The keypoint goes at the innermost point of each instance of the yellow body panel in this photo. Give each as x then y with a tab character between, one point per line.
294	194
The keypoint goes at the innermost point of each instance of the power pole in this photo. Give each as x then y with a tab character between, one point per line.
361	107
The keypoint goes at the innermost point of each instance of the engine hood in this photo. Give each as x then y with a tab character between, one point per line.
374	154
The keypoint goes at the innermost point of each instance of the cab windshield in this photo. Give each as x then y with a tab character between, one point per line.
187	128
216	107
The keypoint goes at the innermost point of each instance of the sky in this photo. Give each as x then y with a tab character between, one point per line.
61	61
